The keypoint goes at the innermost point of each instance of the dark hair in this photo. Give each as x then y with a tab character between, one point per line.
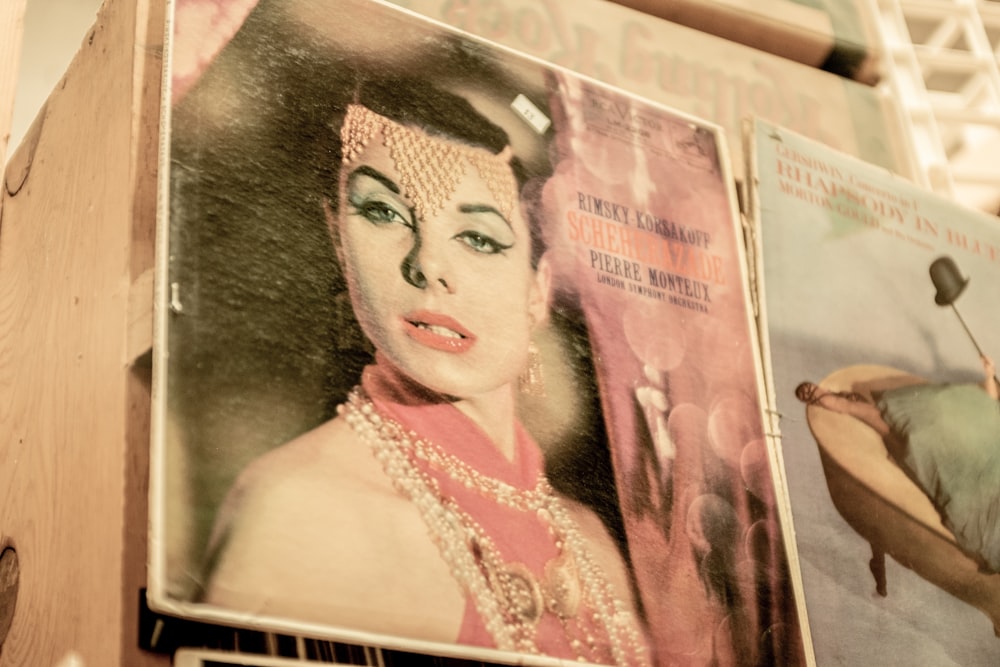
446	115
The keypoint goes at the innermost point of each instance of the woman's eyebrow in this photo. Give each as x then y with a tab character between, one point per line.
365	170
484	208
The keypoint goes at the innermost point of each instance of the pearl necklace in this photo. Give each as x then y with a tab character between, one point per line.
508	596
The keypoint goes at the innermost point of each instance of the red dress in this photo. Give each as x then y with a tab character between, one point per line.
531	585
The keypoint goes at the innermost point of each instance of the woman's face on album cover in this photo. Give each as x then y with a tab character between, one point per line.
452	299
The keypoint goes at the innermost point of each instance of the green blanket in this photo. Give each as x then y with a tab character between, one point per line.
952	436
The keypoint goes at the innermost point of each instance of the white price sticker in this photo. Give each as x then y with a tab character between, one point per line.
527	110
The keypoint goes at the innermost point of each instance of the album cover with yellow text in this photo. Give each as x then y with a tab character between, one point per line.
454	353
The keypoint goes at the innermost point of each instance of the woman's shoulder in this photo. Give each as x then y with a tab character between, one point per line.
327	467
304	497
330	456
315	530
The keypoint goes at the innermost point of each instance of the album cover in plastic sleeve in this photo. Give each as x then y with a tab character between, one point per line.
454	353
697	71
881	331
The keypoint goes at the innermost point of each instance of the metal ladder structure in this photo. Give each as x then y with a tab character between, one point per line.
940	61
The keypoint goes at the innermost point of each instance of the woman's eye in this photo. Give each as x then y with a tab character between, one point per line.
482	243
381	213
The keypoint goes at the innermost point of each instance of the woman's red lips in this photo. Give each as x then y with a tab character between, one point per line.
438	331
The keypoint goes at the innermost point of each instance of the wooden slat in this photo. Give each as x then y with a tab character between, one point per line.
76	230
11	32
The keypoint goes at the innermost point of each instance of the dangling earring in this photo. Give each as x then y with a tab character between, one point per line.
531	382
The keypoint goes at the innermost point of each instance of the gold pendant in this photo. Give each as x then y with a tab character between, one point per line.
562	587
519	592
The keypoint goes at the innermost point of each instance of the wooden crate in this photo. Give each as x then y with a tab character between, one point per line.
77	222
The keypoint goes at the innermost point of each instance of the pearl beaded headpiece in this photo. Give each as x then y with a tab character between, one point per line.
430	168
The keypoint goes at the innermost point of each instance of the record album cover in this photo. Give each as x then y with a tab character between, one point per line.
695	68
878	304
454	353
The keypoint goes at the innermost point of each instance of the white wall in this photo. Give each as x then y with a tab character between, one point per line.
53	32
